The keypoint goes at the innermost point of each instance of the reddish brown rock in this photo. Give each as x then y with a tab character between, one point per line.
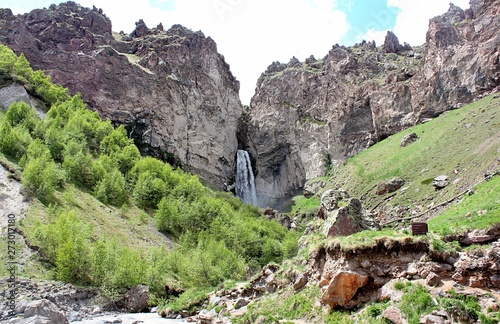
393	315
342	288
390	186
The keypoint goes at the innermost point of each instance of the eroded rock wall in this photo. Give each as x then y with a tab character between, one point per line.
171	89
313	115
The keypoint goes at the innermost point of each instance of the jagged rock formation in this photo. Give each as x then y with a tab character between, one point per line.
171	89
307	117
344	215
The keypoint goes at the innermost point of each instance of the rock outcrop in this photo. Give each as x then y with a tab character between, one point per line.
171	89
310	116
344	215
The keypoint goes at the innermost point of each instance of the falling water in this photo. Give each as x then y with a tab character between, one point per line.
245	184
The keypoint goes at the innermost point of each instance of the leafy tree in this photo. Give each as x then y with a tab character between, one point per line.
72	252
115	141
149	190
168	216
127	158
41	177
111	188
21	113
14	140
78	164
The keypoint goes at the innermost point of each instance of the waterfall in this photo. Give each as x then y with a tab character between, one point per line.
245	183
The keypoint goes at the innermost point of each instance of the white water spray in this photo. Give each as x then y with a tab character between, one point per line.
245	182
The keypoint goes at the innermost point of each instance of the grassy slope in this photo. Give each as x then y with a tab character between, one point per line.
462	144
445	144
134	227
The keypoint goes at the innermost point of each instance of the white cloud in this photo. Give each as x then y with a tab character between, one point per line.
251	34
373	34
413	21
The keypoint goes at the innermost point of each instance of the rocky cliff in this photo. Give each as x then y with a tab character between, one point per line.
170	88
307	117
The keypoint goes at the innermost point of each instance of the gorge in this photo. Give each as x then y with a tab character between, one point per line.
374	137
305	117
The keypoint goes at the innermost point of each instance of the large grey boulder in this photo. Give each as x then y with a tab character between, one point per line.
137	299
41	312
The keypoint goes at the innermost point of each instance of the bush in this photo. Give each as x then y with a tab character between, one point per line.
149	190
14	140
20	113
41	177
168	218
78	165
111	189
72	250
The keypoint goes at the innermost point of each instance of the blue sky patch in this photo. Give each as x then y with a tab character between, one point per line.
164	5
364	15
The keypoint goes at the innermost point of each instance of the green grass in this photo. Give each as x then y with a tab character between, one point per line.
445	144
305	205
131	225
190	301
479	211
366	239
285	305
417	301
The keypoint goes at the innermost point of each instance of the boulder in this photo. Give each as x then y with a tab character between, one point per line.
433	279
408	139
313	187
242	302
390	186
136	299
266	281
344	215
389	292
393	315
431	319
440	182
391	43
301	281
41	312
342	287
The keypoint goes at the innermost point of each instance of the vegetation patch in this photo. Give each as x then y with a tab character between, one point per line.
434	154
285	305
478	211
102	215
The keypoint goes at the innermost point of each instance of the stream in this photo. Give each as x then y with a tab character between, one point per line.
129	318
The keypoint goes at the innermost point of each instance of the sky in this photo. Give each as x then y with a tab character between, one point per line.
251	34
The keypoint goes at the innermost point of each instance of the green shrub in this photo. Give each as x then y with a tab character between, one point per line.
149	190
72	249
14	140
416	301
168	216
41	177
111	188
460	307
20	113
78	165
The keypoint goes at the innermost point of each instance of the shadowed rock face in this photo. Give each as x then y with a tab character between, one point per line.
171	89
309	116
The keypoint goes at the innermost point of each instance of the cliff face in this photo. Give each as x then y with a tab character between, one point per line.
309	116
171	89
